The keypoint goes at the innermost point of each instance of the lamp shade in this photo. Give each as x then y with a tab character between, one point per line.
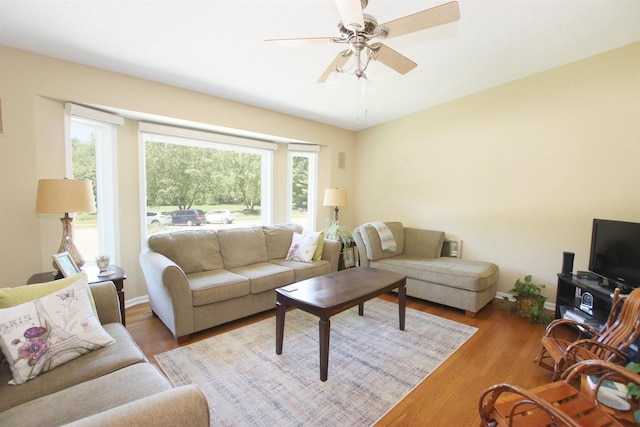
335	197
65	195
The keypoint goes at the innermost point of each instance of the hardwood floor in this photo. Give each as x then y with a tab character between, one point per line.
502	350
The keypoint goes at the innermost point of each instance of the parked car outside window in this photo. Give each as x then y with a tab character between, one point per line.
157	218
220	216
188	217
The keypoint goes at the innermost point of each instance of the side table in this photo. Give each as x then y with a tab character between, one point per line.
626	417
92	271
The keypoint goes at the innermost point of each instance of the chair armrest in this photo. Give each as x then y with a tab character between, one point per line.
182	406
107	303
331	253
580	328
489	397
602	367
586	347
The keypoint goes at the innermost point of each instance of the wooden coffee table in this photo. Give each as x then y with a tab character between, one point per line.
332	293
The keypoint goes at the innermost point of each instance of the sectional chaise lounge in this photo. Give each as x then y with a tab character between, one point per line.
455	282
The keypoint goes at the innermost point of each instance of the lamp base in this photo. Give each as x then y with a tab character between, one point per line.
67	244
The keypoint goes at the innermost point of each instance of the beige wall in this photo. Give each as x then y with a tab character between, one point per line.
33	90
518	172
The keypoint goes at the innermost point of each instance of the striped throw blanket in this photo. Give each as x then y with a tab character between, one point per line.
387	241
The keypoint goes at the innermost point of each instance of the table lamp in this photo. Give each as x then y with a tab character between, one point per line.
335	197
66	195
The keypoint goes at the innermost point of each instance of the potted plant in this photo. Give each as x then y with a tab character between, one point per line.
529	300
343	234
634	389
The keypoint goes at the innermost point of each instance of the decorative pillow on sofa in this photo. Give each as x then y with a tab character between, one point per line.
303	246
20	294
39	335
317	255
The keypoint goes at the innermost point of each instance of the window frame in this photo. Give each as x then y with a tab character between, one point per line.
104	126
310	151
203	139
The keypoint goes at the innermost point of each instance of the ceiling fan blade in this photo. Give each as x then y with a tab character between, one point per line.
338	62
351	13
391	58
439	15
311	41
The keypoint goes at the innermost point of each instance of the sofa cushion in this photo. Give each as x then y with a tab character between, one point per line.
373	244
423	243
452	272
40	335
87	398
123	352
265	276
278	239
192	250
305	270
242	246
208	287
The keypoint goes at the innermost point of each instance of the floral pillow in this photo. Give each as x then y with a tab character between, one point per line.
39	335
303	246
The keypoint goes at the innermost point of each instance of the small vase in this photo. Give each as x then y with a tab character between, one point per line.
103	263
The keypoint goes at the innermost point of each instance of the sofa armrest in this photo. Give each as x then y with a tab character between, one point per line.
169	292
182	406
362	250
331	253
107	303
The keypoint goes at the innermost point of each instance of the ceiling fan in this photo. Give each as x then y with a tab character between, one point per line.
358	30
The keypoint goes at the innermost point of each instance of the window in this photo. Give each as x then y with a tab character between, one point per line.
303	160
92	152
188	173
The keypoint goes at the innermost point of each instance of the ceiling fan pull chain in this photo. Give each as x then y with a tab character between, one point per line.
361	90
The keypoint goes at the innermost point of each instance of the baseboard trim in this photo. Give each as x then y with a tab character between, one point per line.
136	301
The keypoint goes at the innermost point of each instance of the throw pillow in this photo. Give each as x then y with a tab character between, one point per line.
39	335
303	246
10	297
317	255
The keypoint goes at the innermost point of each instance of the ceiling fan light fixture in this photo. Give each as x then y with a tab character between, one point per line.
359	31
351	13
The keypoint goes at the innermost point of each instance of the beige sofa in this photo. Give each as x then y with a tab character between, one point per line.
198	279
455	282
114	385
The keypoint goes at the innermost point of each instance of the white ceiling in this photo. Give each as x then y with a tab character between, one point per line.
216	47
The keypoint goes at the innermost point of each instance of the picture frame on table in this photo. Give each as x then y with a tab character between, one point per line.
66	265
347	254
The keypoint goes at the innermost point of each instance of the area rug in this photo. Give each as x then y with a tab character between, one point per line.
372	366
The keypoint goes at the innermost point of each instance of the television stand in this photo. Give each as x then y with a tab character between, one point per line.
589	302
573	292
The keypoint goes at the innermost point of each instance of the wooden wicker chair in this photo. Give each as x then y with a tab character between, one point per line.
610	343
557	404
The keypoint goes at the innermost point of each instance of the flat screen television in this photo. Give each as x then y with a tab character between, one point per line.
615	252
